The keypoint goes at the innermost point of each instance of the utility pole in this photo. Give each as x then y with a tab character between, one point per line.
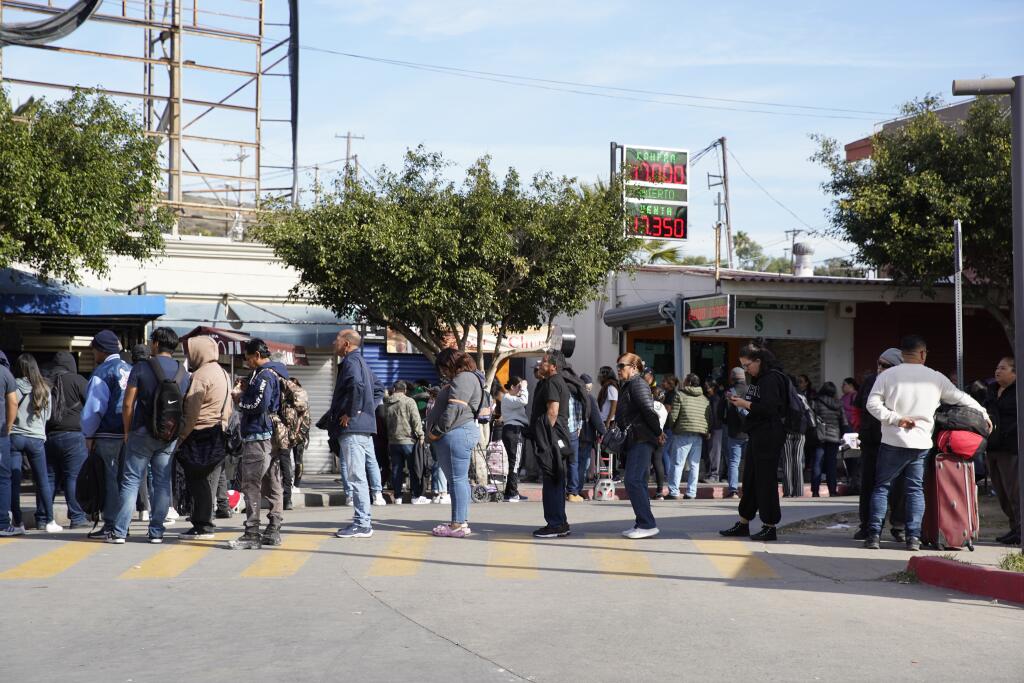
723	180
316	183
348	137
793	234
240	158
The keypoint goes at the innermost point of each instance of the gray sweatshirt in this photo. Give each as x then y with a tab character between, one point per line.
30	423
447	413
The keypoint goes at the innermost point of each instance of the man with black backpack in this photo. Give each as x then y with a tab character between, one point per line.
153	412
65	445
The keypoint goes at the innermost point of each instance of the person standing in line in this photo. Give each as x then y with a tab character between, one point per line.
139	353
713	443
259	472
65	445
206	412
904	399
550	423
514	421
831	425
405	430
1003	459
735	431
793	453
354	422
8	414
143	448
870	437
28	440
636	412
766	403
669	386
849	399
452	428
689	422
283	456
103	422
593	430
607	401
657	459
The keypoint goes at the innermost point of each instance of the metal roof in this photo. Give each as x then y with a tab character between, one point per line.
754	276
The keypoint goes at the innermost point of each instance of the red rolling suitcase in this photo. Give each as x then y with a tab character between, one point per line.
951	503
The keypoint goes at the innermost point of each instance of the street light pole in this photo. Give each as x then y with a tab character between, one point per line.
1014	87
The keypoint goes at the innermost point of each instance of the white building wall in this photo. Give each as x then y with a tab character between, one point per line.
837	351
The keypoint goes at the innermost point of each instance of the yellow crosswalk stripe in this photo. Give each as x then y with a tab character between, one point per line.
286	559
5	541
403	556
511	559
734	559
622	558
174	560
52	563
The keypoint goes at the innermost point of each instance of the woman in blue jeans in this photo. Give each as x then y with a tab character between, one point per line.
635	412
452	428
28	439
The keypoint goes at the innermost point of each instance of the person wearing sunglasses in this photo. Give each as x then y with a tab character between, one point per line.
635	411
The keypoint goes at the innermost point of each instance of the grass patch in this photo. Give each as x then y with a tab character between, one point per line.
1012	562
905	577
954	557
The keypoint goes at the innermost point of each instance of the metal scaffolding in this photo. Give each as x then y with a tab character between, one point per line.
207	67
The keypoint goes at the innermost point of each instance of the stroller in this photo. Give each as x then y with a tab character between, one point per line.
490	472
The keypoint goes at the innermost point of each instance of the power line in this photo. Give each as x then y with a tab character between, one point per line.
559	86
769	194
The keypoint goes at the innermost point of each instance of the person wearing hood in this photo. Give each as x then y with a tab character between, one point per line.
689	424
28	440
206	411
831	424
65	444
8	413
405	430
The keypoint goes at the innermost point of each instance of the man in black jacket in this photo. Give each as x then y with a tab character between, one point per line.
550	423
1002	456
870	436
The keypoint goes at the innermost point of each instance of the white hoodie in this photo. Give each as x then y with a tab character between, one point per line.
914	391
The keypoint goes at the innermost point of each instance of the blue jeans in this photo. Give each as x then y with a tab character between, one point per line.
572	467
438	481
687	448
638	467
825	456
668	454
586	454
454	452
143	450
5	482
65	455
401	454
357	450
35	450
734	454
893	460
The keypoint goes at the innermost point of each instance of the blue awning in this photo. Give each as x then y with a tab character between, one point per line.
24	294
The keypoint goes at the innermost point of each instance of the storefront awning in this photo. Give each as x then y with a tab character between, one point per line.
25	294
231	343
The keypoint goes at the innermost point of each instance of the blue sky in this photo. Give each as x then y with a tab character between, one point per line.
868	56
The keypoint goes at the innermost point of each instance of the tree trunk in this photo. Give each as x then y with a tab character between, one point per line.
996	312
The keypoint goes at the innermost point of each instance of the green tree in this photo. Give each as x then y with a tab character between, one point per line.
899	206
840	267
751	256
78	183
428	258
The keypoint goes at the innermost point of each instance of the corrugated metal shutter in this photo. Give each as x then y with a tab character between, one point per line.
318	380
390	367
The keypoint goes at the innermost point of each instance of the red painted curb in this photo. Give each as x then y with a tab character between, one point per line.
987	582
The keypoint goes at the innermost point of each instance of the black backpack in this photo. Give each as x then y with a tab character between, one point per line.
91	486
168	403
798	416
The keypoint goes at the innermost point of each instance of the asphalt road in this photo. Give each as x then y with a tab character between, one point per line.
497	606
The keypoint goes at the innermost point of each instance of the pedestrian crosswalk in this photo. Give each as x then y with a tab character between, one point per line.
388	555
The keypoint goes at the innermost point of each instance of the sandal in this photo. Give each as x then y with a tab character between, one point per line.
447	531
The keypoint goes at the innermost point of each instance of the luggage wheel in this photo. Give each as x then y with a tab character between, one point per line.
479	494
970	546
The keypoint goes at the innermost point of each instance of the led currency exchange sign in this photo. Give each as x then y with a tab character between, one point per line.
657	191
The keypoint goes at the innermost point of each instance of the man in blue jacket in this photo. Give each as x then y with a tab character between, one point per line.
102	419
353	422
259	472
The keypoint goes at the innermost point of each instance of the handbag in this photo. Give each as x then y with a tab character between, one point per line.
207	447
615	440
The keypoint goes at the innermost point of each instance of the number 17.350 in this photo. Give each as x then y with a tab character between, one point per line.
660	226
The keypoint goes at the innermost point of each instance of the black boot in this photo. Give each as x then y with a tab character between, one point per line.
250	540
271	537
737	529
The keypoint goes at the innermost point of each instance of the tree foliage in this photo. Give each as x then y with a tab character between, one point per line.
840	267
899	206
78	183
429	258
750	256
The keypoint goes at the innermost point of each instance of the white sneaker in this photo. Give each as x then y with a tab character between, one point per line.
378	499
443	499
513	499
422	500
641	533
398	500
349	502
144	516
13	530
172	513
52	527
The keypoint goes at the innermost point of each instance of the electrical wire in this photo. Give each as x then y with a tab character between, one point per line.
770	195
560	86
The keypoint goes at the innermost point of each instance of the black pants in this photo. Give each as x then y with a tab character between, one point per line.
512	438
222	488
284	457
659	467
202	484
897	492
761	476
297	452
